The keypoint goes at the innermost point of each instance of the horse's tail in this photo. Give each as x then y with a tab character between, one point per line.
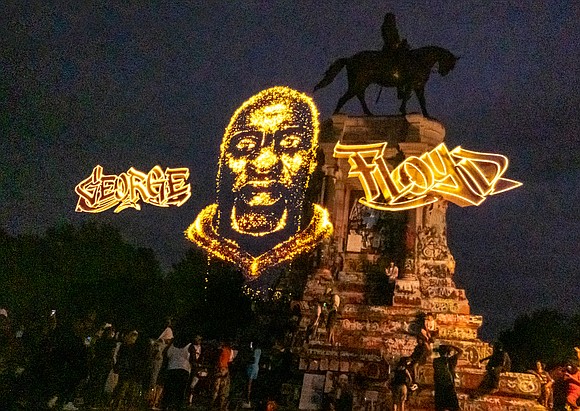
331	73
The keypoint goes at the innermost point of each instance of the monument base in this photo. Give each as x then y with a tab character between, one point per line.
378	321
369	340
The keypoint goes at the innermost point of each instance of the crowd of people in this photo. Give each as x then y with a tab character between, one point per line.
71	365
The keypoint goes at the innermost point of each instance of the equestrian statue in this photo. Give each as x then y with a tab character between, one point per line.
396	65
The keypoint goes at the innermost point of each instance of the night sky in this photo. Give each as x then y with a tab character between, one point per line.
134	85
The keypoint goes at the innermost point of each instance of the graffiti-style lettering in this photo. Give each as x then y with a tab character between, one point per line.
460	176
99	191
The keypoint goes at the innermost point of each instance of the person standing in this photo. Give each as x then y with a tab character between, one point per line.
498	362
392	272
156	356
312	329
252	372
400	382
332	319
419	356
444	378
546	385
572	380
196	369
221	389
130	368
167	335
101	365
178	356
341	395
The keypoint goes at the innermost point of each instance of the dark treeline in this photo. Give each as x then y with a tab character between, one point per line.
545	335
91	270
76	270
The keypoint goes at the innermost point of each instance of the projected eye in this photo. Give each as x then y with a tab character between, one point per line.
246	144
291	141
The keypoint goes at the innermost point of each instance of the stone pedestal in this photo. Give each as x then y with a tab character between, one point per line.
371	337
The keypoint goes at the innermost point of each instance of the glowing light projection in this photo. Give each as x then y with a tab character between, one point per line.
460	176
266	158
99	192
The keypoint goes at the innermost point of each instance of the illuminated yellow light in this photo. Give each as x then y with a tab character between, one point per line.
99	192
263	199
203	233
248	221
254	156
271	117
267	155
459	176
267	159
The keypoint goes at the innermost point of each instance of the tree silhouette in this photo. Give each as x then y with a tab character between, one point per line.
545	335
76	270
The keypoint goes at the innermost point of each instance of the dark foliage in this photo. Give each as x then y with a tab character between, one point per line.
207	296
78	270
546	335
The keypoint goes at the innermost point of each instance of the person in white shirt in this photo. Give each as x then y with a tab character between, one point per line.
179	357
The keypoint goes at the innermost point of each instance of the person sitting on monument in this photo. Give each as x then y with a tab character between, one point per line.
546	385
498	362
396	47
431	326
391	39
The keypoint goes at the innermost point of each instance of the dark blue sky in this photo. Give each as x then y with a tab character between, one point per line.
131	85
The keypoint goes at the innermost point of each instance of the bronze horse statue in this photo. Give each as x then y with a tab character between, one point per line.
407	70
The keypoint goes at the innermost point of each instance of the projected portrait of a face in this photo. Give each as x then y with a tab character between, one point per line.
267	156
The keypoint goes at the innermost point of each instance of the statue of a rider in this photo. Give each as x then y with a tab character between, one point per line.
391	39
395	49
395	65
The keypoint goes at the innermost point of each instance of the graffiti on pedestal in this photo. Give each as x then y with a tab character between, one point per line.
497	404
375	326
441	305
438	282
474	353
398	346
435	271
432	244
444	292
517	383
458	333
471	320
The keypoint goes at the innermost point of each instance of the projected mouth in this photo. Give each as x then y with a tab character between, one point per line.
260	194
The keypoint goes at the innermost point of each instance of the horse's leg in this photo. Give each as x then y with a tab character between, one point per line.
400	93
363	103
341	101
405	94
420	93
